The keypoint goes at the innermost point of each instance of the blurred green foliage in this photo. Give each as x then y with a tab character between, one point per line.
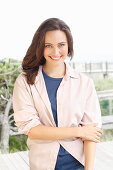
17	143
104	105
107	135
103	84
9	70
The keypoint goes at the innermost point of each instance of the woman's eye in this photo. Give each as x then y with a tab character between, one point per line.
47	46
62	45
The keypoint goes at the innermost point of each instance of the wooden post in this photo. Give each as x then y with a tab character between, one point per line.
73	65
86	67
90	68
106	68
110	107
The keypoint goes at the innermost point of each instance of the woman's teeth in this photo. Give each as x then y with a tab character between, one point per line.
55	58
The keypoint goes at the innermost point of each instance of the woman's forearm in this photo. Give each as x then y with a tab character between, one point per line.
58	133
53	133
89	151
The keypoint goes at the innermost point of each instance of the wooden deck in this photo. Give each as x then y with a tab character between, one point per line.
14	161
20	161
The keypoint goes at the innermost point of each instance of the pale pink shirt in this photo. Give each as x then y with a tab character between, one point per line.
77	104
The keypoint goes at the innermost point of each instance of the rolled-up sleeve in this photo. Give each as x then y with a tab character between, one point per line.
25	114
92	112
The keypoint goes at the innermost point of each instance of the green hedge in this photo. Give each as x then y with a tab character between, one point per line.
17	143
104	84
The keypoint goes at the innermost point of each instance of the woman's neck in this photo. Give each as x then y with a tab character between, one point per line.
57	71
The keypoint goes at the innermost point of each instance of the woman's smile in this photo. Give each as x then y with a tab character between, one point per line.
55	58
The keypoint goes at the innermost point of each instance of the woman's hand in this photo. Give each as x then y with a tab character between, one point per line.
90	132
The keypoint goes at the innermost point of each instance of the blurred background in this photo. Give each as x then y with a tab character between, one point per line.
91	25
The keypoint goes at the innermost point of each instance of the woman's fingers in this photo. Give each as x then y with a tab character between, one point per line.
92	133
99	130
98	133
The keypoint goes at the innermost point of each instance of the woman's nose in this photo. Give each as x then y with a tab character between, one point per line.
56	51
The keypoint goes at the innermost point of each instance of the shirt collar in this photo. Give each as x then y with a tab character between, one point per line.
70	72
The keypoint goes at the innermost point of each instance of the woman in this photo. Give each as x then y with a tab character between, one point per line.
54	105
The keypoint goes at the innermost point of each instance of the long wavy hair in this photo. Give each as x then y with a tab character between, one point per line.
34	55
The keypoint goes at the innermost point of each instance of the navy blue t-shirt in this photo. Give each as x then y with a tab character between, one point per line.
64	158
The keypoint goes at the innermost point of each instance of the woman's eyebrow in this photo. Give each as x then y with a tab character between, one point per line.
58	43
62	42
47	43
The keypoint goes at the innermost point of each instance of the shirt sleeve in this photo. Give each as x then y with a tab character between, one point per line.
25	114
92	112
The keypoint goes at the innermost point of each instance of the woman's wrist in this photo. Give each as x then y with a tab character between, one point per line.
79	132
76	131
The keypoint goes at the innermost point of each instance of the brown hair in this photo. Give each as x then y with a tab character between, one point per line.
34	55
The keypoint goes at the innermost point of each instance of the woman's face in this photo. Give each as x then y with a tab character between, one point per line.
56	47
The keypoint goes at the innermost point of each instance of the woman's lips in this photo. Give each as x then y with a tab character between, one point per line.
55	58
